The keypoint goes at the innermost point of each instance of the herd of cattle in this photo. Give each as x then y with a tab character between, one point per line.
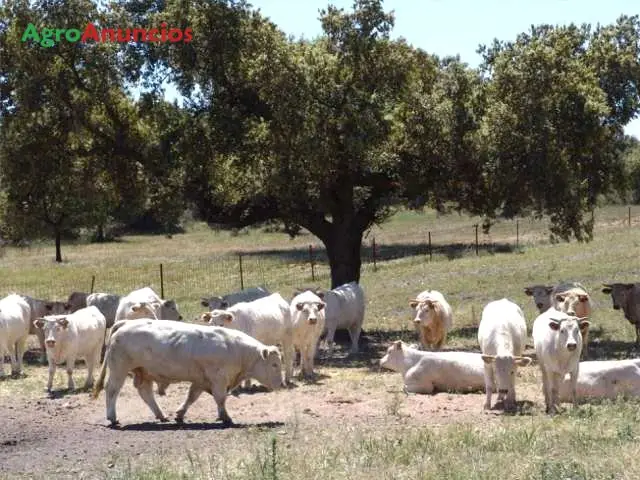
254	333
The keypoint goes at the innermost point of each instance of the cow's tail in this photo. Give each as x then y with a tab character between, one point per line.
99	385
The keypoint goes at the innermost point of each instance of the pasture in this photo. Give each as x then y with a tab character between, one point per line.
353	421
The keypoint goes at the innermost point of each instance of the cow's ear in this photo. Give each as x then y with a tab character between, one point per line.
67	306
228	317
321	306
554	325
224	305
39	322
265	353
413	303
549	290
488	359
169	303
583	298
63	322
559	298
137	306
606	290
205	317
584	326
397	344
204	302
320	294
528	292
522	361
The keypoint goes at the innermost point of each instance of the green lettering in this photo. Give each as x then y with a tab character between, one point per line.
46	41
30	33
73	35
59	31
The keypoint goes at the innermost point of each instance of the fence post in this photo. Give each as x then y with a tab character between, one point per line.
629	216
313	273
477	250
241	275
430	251
373	251
161	282
517	235
93	283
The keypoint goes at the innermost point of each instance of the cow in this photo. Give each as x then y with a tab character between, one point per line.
604	379
626	296
572	298
40	308
143	303
433	319
541	296
226	301
557	338
107	303
502	335
267	319
307	318
344	310
15	317
212	359
430	372
72	336
76	301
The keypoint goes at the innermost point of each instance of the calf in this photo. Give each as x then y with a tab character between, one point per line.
40	308
15	316
344	310
212	359
307	318
267	319
69	337
557	337
140	303
626	296
429	372
226	301
502	335
433	319
604	379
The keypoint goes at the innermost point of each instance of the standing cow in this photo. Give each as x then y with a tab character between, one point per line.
573	299
213	359
226	301
107	303
144	303
69	337
433	319
502	335
626	296
307	317
267	319
558	342
541	296
15	316
40	308
344	309
76	301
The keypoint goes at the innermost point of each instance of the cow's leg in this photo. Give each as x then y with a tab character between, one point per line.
20	349
555	387
145	390
545	387
162	388
192	396
116	379
638	334
13	355
288	354
574	387
354	334
2	354
43	347
52	372
219	393
71	361
307	355
489	382
585	345
328	340
92	361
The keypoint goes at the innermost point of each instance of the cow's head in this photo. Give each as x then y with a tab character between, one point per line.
505	368
55	328
169	310
307	308
573	303
221	318
425	310
394	358
569	332
540	294
620	293
143	310
268	370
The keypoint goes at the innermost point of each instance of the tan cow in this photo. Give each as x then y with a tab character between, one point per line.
433	319
573	299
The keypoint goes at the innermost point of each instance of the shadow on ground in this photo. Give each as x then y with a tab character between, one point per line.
166	426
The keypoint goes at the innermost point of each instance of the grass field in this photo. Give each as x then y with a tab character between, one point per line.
596	441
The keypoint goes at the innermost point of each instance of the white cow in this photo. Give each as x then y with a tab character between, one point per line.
40	308
307	317
226	301
15	316
434	318
502	335
73	336
558	341
430	372
267	319
212	359
145	303
604	379
107	303
344	310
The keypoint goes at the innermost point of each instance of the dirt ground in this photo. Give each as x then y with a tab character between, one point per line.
68	436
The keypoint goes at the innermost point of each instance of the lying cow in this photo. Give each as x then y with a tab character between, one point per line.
430	372
626	296
502	335
78	335
267	319
15	317
40	308
145	303
213	359
433	319
226	301
558	342
307	318
604	379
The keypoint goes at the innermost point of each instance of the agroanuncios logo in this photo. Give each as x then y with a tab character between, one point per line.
48	37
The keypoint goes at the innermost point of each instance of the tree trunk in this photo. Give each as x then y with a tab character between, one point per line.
100	234
343	249
58	251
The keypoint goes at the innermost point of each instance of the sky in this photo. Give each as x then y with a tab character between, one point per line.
450	27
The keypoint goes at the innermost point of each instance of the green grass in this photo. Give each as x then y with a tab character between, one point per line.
595	442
